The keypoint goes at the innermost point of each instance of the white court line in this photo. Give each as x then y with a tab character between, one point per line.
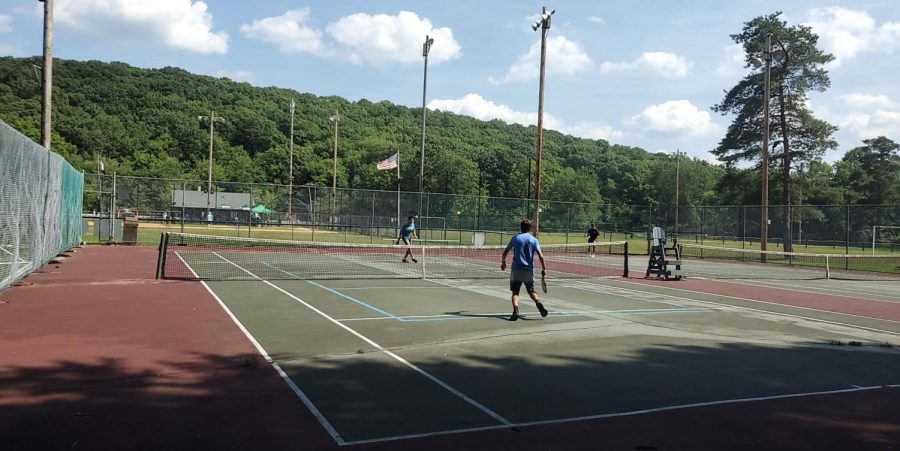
893	386
372	343
789	287
552	313
618	414
809	318
305	399
608	290
391	288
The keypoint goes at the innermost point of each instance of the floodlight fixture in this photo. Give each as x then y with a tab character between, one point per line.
543	21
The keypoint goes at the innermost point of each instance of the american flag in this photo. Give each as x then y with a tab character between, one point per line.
390	163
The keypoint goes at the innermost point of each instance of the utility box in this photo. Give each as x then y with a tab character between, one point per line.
130	230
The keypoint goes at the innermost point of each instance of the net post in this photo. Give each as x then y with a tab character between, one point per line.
161	260
827	267
424	274
625	274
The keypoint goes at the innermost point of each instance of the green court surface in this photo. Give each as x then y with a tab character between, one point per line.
380	360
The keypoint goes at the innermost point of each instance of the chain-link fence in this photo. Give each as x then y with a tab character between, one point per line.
40	205
846	228
306	212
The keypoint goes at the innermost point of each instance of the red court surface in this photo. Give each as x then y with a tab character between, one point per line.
96	354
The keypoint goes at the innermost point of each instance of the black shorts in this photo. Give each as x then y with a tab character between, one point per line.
591	239
519	277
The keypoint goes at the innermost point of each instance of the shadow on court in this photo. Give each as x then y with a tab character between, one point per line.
225	402
504	317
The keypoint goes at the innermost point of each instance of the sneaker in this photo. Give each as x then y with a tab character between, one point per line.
514	316
405	261
543	311
415	261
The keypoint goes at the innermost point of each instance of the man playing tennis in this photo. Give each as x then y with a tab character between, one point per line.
592	235
523	246
406	232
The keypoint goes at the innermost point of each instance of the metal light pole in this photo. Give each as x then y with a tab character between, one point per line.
291	167
426	47
47	74
544	24
212	120
336	119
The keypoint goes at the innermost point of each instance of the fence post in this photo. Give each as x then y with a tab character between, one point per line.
312	206
743	227
250	213
112	212
427	217
372	219
701	224
183	207
847	239
568	221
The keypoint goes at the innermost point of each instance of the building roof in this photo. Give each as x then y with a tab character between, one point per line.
218	201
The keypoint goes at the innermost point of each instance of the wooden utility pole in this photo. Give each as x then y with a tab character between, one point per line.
212	118
544	24
47	75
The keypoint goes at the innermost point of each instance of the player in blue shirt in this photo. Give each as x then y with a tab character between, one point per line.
406	232
523	246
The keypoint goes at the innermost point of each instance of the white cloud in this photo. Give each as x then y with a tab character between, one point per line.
732	60
868	116
675	117
182	24
666	64
380	38
480	108
846	33
596	19
5	23
563	57
360	38
859	100
237	75
289	31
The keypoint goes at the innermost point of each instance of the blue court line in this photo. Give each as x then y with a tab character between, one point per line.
331	290
451	318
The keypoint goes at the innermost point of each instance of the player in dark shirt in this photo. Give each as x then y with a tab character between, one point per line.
592	235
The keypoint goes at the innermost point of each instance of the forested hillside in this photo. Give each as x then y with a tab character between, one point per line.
144	122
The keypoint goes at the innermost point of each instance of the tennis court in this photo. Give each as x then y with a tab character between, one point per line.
381	350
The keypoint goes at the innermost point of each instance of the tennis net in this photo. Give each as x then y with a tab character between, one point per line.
204	257
707	261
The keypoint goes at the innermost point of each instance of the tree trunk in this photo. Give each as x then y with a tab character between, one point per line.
787	231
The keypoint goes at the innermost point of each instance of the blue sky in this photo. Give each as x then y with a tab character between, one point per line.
634	72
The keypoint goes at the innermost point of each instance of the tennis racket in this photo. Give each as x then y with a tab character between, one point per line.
543	283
